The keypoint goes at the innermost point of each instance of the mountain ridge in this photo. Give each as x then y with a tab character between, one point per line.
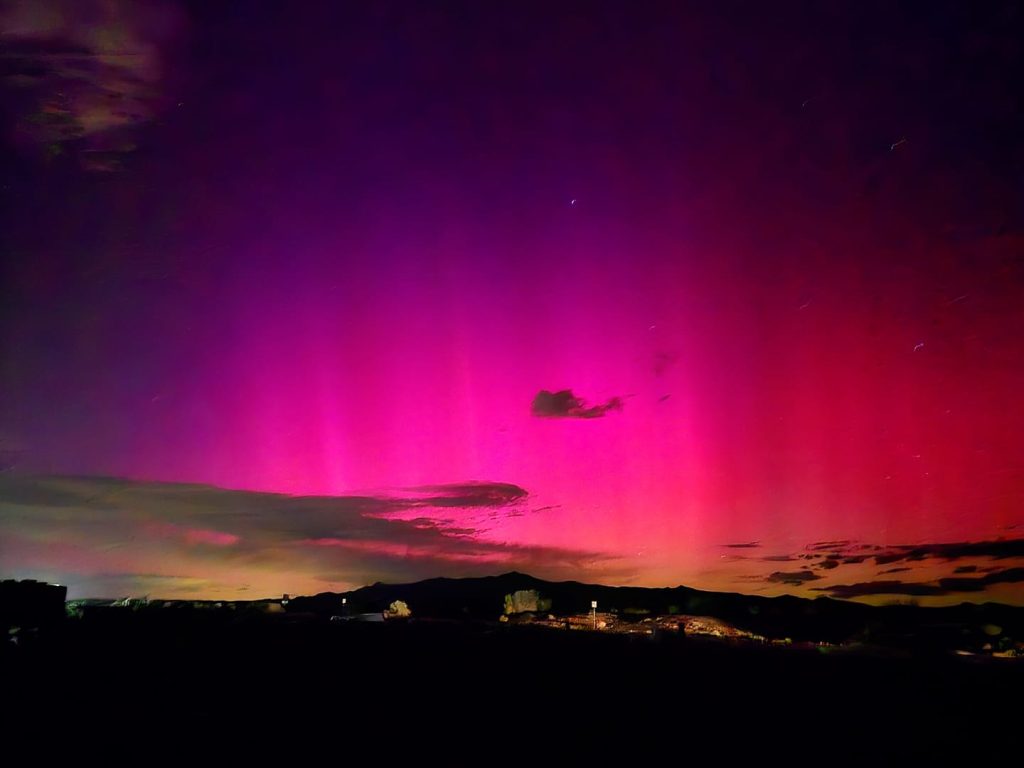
785	616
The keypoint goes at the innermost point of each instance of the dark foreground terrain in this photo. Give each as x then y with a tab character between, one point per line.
475	692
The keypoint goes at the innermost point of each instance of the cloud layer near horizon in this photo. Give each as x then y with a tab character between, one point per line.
110	537
107	537
963	568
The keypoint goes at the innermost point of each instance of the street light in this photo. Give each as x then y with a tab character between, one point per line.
593	611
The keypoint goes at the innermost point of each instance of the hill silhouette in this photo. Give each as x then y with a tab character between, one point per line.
822	619
456	683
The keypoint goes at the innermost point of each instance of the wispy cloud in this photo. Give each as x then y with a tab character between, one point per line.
942	569
794	578
943	586
565	405
81	530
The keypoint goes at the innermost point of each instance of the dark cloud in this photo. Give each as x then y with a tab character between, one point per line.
998	549
793	578
944	586
869	588
836	557
94	533
885	559
976	584
1007	576
565	405
745	545
819	546
547	508
475	494
851	554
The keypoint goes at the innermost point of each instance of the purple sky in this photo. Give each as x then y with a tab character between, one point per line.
683	276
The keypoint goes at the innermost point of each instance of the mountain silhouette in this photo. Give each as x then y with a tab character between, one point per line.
821	619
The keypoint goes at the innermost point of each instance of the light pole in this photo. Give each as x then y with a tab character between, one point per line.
593	612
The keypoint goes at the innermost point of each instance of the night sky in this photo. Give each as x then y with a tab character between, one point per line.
301	296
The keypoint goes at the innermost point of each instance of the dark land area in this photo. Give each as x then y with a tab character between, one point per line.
974	627
476	690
